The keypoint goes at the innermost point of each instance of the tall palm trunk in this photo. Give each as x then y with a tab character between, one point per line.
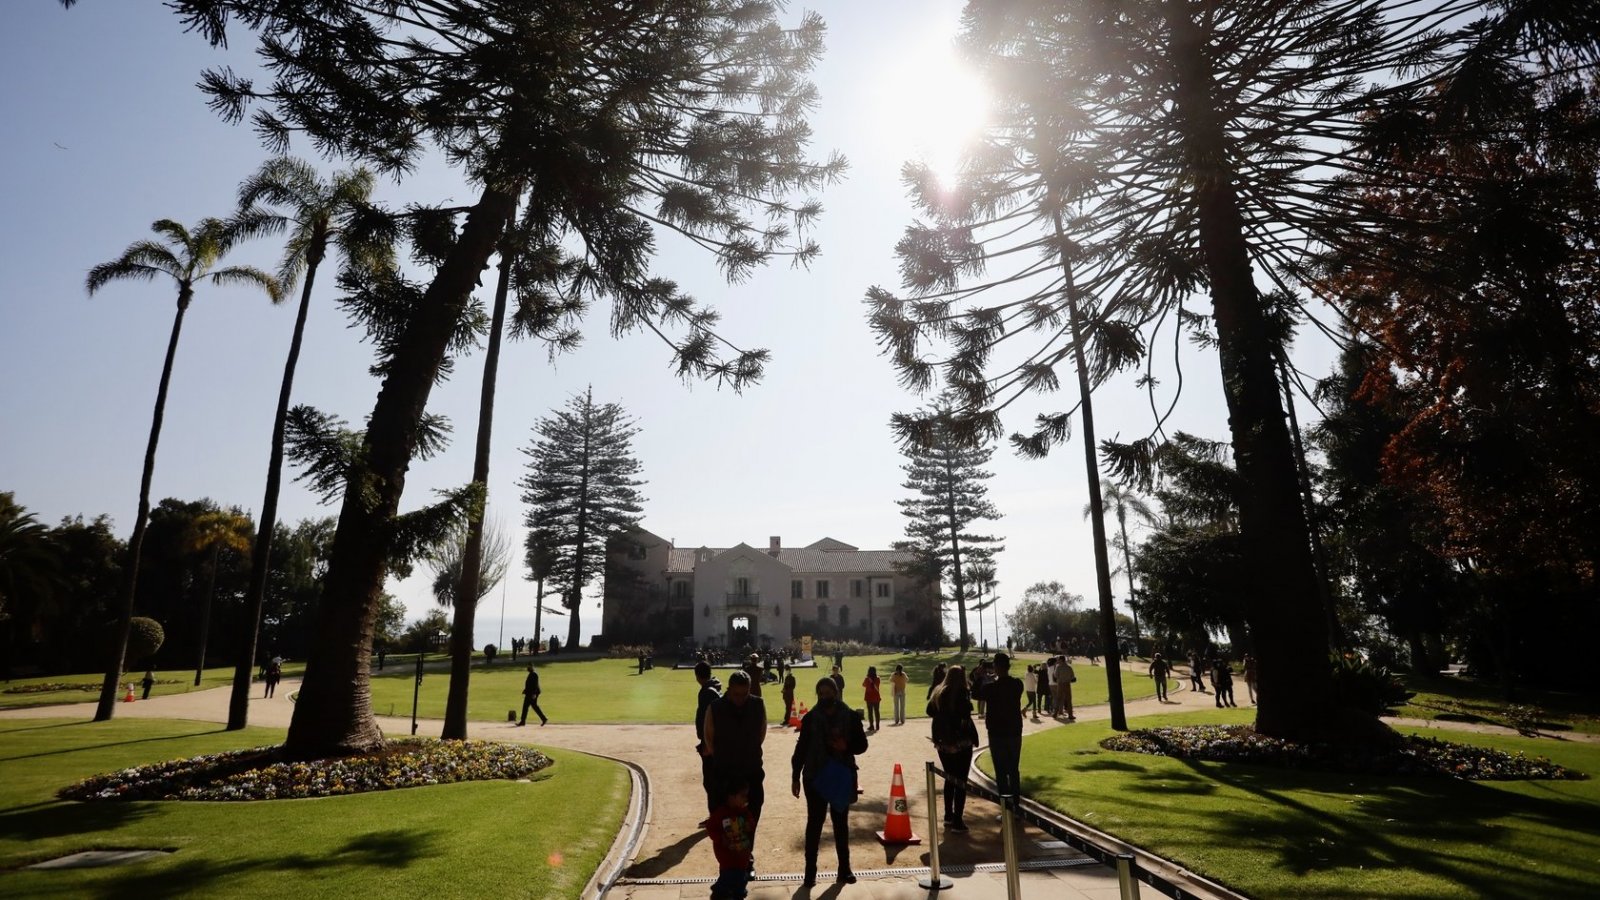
1319	555
334	712
455	709
1127	569
130	584
260	560
205	614
1296	686
1091	463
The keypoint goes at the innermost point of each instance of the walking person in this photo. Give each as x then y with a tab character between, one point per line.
1159	670
732	832
838	680
824	767
735	728
1030	686
788	697
1047	678
148	682
897	686
530	697
1196	666
955	737
873	697
710	691
1222	682
1003	720
274	675
1250	677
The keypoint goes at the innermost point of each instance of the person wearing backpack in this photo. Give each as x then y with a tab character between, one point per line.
824	766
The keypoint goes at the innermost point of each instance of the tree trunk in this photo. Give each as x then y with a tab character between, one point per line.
1127	569
1296	696
205	614
455	709
579	557
955	551
1319	557
1102	557
130	584
333	715
260	559
538	615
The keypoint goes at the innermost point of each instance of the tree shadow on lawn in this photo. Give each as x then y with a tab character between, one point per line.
1445	813
89	745
59	818
378	850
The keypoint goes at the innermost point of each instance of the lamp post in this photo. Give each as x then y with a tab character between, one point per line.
416	692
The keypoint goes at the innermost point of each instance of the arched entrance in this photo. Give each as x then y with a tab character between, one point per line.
742	631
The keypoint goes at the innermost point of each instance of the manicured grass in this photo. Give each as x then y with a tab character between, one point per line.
493	838
1461	699
86	687
1278	833
612	690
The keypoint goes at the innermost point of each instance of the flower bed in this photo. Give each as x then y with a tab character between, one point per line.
1409	756
261	773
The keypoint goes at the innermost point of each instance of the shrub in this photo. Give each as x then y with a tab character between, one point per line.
1363	685
145	637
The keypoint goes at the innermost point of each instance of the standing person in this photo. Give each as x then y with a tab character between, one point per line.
1030	684
1159	670
274	674
753	668
788	698
1250	677
981	679
149	681
732	832
1222	681
838	660
710	691
873	697
530	697
955	738
838	680
824	766
1003	697
1062	687
1196	666
735	728
1047	681
897	685
938	679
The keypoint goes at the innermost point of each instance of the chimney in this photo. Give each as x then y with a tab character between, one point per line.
774	544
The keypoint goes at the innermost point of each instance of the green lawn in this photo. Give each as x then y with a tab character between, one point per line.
1276	833
612	690
85	688
1461	699
477	839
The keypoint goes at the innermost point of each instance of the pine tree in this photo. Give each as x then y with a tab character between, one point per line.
581	489
947	480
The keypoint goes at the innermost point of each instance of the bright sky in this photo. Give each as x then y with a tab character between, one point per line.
106	133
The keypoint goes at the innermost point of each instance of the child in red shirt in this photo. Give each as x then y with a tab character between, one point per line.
730	829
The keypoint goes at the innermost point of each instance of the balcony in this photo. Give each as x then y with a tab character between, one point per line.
743	601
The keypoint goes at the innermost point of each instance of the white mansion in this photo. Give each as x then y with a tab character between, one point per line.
658	592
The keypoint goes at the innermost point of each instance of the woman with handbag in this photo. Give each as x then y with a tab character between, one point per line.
824	764
955	737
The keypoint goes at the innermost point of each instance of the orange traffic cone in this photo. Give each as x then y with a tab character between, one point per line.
897	824
128	697
794	715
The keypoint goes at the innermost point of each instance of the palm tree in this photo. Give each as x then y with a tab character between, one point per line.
187	258
214	531
30	572
314	212
1122	501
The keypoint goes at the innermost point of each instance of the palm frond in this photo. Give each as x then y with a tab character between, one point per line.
249	276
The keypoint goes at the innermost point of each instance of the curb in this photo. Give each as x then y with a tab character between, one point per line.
625	846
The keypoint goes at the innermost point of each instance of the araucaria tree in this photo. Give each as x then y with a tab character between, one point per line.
188	258
581	489
1186	146
949	496
611	120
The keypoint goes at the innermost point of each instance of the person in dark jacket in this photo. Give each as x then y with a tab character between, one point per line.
955	737
936	680
1003	720
530	697
735	728
710	692
824	766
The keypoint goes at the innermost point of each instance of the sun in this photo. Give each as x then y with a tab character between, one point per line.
932	106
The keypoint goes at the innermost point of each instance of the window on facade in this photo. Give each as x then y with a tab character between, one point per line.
680	589
844	616
741	586
855	587
883	588
797	589
822	589
822	613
